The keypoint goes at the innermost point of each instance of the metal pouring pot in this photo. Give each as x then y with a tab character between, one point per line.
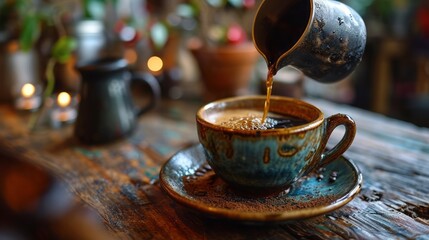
324	39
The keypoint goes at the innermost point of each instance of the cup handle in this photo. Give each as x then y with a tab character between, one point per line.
154	88
333	122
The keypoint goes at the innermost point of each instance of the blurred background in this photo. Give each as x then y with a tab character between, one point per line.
199	51
184	43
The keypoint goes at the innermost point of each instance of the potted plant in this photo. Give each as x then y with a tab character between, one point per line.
224	50
12	57
26	25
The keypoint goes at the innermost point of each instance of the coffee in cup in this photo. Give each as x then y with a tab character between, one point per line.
251	119
265	159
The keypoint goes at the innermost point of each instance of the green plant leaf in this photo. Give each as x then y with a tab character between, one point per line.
63	48
30	32
216	3
186	10
159	34
236	3
94	9
22	6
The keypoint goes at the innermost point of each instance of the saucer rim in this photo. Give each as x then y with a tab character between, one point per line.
259	216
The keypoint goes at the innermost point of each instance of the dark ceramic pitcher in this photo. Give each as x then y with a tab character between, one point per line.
106	110
324	39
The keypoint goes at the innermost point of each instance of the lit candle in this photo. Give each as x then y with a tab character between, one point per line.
28	100
63	99
64	113
28	90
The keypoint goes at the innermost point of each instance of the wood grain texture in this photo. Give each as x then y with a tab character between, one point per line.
119	180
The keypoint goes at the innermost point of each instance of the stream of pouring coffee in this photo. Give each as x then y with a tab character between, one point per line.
269	84
279	33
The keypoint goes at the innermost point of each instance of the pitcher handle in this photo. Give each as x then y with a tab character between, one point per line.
333	122
154	88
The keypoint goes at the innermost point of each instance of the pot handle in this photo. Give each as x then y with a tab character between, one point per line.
154	87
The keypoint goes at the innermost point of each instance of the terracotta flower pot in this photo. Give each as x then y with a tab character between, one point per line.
225	70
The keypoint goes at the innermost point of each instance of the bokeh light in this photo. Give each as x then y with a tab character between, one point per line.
28	90
63	99
155	64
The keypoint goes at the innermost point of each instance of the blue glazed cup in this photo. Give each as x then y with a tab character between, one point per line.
263	162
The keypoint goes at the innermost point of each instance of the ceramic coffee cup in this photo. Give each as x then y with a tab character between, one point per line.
263	162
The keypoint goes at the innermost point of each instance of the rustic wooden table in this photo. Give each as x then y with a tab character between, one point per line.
120	181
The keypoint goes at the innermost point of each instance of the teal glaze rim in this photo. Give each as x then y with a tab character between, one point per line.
280	131
262	217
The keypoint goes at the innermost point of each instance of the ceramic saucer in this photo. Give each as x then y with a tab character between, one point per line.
189	180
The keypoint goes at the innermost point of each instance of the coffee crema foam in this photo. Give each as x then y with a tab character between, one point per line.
249	123
243	119
250	119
